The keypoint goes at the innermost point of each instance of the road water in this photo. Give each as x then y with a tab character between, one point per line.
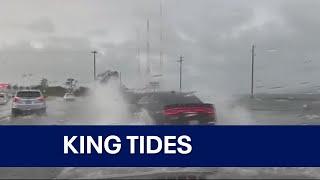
113	111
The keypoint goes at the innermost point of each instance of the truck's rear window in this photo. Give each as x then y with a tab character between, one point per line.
28	94
176	98
179	99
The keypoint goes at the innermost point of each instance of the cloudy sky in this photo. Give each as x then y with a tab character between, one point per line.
53	38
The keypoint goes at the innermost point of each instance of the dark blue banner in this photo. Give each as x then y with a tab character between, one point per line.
155	146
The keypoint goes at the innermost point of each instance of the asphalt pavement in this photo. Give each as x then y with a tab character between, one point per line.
91	111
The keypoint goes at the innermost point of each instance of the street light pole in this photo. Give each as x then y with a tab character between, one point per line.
180	62
252	70
120	78
94	64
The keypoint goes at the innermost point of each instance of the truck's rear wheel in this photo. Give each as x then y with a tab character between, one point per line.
14	112
43	111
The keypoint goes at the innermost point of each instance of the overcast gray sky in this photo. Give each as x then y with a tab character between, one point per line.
53	38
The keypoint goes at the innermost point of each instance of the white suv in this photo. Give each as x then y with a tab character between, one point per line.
28	101
3	98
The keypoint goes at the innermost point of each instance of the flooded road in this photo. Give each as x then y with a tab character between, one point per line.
86	111
80	112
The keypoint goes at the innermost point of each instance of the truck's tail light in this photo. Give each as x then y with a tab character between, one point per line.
181	109
16	99
40	99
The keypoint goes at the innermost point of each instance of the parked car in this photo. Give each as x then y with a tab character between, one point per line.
4	98
28	101
69	97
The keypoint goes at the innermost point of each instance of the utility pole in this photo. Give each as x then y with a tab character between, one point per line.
94	64
138	52
252	70
139	63
180	62
120	79
148	71
161	38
